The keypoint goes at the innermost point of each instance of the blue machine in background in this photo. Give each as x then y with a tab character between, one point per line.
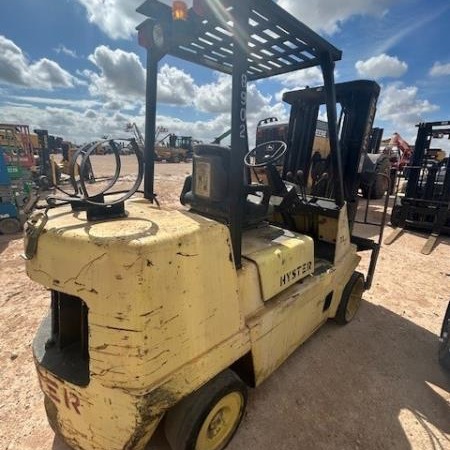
10	220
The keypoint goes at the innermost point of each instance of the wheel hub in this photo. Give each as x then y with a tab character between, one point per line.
221	422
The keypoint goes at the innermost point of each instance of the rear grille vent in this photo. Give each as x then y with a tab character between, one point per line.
67	349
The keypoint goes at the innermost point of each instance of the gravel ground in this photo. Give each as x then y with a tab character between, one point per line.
374	384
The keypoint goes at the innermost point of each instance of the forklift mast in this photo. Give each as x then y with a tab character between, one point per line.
357	100
415	186
375	140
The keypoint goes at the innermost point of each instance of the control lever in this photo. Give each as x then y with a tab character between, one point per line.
300	181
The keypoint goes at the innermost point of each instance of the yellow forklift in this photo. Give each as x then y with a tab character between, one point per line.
165	317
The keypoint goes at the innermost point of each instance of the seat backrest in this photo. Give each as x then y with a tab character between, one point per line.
208	191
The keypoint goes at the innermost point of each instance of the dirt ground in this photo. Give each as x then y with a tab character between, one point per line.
374	384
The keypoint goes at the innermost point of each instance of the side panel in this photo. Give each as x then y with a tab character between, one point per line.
288	320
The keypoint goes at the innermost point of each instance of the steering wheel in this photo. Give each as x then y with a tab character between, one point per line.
278	147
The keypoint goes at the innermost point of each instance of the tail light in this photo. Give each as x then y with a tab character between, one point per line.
179	10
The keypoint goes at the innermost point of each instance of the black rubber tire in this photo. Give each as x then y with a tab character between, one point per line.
444	344
393	181
184	421
395	216
10	226
44	183
381	184
354	285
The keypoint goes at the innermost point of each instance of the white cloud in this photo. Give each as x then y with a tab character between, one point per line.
300	79
73	103
116	18
175	86
439	69
121	78
77	125
329	15
310	77
381	66
17	69
66	51
216	98
121	73
90	124
402	108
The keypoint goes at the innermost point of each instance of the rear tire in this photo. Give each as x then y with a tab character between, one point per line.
351	299
44	183
208	418
444	345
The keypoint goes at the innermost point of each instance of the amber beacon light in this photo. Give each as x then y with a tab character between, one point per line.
179	10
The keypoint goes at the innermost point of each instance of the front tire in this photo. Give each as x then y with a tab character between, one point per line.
208	418
351	299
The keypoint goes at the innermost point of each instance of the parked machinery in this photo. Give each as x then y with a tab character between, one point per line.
159	313
55	159
10	198
426	202
15	139
174	149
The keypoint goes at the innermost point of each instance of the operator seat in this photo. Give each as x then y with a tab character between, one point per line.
207	191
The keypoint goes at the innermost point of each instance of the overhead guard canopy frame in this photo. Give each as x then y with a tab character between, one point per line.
277	42
250	40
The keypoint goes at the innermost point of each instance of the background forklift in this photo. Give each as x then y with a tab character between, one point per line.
425	204
171	314
373	178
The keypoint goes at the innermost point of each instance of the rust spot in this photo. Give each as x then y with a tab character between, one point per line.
149	263
102	347
56	281
119	277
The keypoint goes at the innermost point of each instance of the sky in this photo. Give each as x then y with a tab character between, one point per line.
74	67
